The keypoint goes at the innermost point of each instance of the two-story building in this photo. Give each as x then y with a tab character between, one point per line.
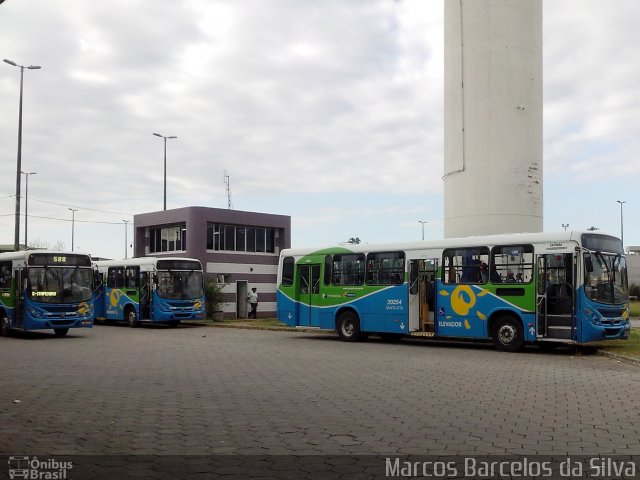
236	248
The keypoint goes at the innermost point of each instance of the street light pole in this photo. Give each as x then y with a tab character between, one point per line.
621	202
171	137
423	222
26	203
125	238
16	240
73	221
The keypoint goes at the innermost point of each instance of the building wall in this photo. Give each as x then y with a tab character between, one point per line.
492	117
257	269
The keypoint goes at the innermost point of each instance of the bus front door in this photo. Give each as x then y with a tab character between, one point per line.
555	297
309	295
20	292
145	295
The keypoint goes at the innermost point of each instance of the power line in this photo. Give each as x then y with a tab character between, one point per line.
74	206
63	219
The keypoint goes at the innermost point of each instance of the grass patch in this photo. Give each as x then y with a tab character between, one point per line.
628	348
635	309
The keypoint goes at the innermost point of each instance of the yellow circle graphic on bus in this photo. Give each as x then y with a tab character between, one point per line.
462	299
114	297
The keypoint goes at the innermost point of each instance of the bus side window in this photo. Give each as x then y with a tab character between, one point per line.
328	262
5	275
287	271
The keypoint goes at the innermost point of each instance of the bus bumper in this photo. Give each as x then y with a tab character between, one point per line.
49	323
164	317
593	333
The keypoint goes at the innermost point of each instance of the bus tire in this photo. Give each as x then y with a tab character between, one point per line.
130	317
60	332
349	327
5	329
508	334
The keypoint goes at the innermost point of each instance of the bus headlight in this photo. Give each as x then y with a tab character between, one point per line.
35	313
163	307
591	315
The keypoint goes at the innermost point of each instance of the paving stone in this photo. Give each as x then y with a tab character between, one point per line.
121	391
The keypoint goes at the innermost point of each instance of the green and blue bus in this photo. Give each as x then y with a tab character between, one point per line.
516	289
41	290
149	289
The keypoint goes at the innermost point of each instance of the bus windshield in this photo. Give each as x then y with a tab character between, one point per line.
59	284
607	283
180	285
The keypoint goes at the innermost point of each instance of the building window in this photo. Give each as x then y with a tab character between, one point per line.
168	239
239	238
251	239
223	278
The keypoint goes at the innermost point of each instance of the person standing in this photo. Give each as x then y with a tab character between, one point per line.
252	298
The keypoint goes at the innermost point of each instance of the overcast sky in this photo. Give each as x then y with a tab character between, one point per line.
329	111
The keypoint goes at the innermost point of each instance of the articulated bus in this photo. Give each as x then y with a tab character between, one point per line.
150	289
517	289
41	289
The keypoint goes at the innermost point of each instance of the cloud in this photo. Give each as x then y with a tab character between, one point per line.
299	101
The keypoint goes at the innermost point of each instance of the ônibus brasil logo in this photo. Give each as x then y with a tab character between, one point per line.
35	469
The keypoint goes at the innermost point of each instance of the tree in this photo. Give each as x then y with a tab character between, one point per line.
37	243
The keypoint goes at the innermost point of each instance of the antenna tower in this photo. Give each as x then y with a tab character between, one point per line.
227	184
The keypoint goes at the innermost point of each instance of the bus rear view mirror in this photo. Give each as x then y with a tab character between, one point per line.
588	263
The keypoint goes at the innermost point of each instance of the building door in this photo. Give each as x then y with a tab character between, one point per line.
309	295
242	291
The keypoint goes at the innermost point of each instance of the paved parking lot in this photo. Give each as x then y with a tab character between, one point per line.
201	390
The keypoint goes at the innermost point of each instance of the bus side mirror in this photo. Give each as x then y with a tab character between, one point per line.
588	264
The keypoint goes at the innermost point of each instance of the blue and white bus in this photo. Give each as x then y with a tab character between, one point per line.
542	288
150	289
41	289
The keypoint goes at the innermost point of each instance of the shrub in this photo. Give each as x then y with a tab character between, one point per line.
213	296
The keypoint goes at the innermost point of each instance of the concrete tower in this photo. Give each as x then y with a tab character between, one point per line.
492	117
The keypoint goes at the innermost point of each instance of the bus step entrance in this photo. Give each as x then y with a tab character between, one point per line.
422	334
559	326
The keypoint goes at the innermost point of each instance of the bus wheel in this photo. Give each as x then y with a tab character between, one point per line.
60	332
130	317
5	330
349	327
508	335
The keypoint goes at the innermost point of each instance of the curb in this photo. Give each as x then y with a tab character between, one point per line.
620	358
273	329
